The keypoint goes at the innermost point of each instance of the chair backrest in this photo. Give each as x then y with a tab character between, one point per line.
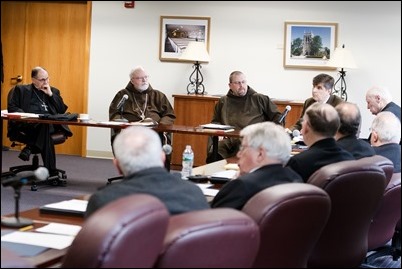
384	163
356	188
127	232
10	259
291	217
210	238
383	225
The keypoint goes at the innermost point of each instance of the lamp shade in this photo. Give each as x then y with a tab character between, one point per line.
195	51
342	58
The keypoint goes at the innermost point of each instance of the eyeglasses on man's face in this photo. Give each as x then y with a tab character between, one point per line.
43	80
239	82
141	78
243	147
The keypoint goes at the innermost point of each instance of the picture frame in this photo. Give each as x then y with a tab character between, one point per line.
177	31
308	45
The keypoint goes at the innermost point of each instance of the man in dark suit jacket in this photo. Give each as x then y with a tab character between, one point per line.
379	99
264	150
39	98
320	123
348	132
140	159
321	93
385	136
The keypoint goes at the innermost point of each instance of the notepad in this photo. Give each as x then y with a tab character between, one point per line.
73	207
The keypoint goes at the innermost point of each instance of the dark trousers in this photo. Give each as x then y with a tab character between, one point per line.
38	138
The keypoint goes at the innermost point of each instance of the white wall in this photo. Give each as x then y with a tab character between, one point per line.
245	36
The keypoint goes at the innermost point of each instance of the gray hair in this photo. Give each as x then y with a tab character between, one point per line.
137	148
135	70
387	126
271	137
382	92
323	119
36	70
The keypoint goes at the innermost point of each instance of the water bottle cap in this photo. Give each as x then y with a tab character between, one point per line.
188	146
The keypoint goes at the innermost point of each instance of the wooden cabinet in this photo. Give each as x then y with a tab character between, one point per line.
294	114
193	110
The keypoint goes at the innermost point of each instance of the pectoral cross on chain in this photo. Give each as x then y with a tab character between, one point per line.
44	106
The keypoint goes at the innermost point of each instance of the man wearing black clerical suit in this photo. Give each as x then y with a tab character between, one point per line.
320	123
264	150
39	98
385	137
347	135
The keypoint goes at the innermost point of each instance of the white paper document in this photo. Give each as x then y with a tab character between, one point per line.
21	115
55	241
217	126
225	174
59	228
210	192
73	205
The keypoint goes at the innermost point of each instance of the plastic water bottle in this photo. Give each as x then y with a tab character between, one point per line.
187	162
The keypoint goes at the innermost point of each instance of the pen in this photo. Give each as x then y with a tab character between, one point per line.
26	228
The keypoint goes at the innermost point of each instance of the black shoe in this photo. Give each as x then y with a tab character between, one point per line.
25	154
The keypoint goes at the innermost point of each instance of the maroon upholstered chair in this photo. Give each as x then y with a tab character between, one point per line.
291	217
384	226
356	188
384	163
210	238
125	233
9	259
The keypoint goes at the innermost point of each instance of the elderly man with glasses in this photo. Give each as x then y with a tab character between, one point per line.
39	98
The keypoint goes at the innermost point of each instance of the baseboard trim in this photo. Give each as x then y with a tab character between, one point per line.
99	154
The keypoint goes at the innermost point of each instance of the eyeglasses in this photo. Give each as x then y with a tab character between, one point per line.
43	80
243	147
142	78
239	82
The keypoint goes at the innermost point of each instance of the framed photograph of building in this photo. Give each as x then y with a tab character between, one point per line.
309	44
177	31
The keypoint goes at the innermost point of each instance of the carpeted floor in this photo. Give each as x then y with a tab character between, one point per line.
85	176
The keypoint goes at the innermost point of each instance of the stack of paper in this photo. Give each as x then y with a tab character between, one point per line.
217	126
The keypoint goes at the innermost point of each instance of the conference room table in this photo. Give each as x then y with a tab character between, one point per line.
50	257
160	128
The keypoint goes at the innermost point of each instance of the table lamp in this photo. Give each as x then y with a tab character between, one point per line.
341	58
196	51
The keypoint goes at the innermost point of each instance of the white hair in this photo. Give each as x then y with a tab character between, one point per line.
137	148
271	137
388	127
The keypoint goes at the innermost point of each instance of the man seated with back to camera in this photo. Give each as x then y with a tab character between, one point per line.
264	150
39	98
347	136
139	157
321	93
385	137
320	123
241	106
